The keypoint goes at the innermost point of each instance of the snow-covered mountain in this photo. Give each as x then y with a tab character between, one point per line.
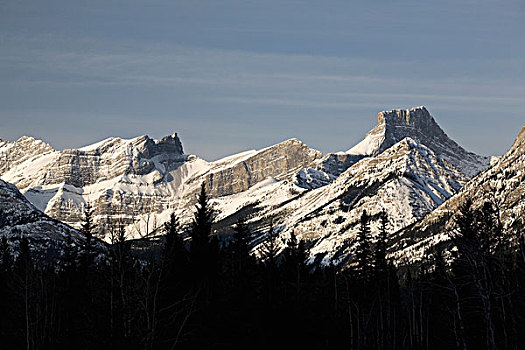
418	124
406	164
19	218
140	180
408	180
392	127
502	184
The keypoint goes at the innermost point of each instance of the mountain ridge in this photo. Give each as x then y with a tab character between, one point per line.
142	181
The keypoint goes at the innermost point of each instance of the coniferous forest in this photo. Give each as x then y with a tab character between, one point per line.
196	291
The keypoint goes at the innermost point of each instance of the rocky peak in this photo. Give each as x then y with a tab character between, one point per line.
503	184
417	123
25	148
115	157
170	144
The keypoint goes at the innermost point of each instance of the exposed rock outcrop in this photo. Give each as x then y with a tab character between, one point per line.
281	161
417	123
140	180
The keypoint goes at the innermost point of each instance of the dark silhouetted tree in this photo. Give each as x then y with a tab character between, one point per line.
364	255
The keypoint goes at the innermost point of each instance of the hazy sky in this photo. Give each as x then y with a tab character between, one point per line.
235	75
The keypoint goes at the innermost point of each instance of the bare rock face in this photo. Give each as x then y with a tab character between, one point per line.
140	181
281	161
113	157
22	161
23	149
114	175
392	127
406	164
418	124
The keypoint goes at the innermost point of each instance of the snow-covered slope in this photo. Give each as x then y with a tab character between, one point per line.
406	165
417	123
140	180
392	127
19	218
408	180
503	184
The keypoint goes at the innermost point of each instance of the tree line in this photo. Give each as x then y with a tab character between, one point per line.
202	292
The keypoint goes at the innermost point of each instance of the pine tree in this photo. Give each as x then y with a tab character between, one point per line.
240	248
381	264
68	258
24	261
24	277
174	253
5	251
363	254
88	228
200	248
270	249
5	274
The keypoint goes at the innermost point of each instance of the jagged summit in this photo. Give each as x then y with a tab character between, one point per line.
146	145
417	123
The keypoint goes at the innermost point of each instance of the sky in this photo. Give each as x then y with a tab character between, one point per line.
233	75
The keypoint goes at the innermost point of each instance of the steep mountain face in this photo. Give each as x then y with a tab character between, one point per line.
417	123
23	160
503	184
325	170
392	127
19	218
281	161
115	174
408	180
140	180
406	165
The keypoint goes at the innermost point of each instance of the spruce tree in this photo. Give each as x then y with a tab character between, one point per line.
24	262
5	274
200	247
5	251
68	257
240	248
173	251
381	264
270	249
88	228
363	254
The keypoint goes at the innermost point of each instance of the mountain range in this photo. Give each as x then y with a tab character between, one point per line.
406	165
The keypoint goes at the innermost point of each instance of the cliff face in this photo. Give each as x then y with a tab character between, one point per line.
406	164
115	157
24	161
418	124
392	127
140	179
281	161
25	148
